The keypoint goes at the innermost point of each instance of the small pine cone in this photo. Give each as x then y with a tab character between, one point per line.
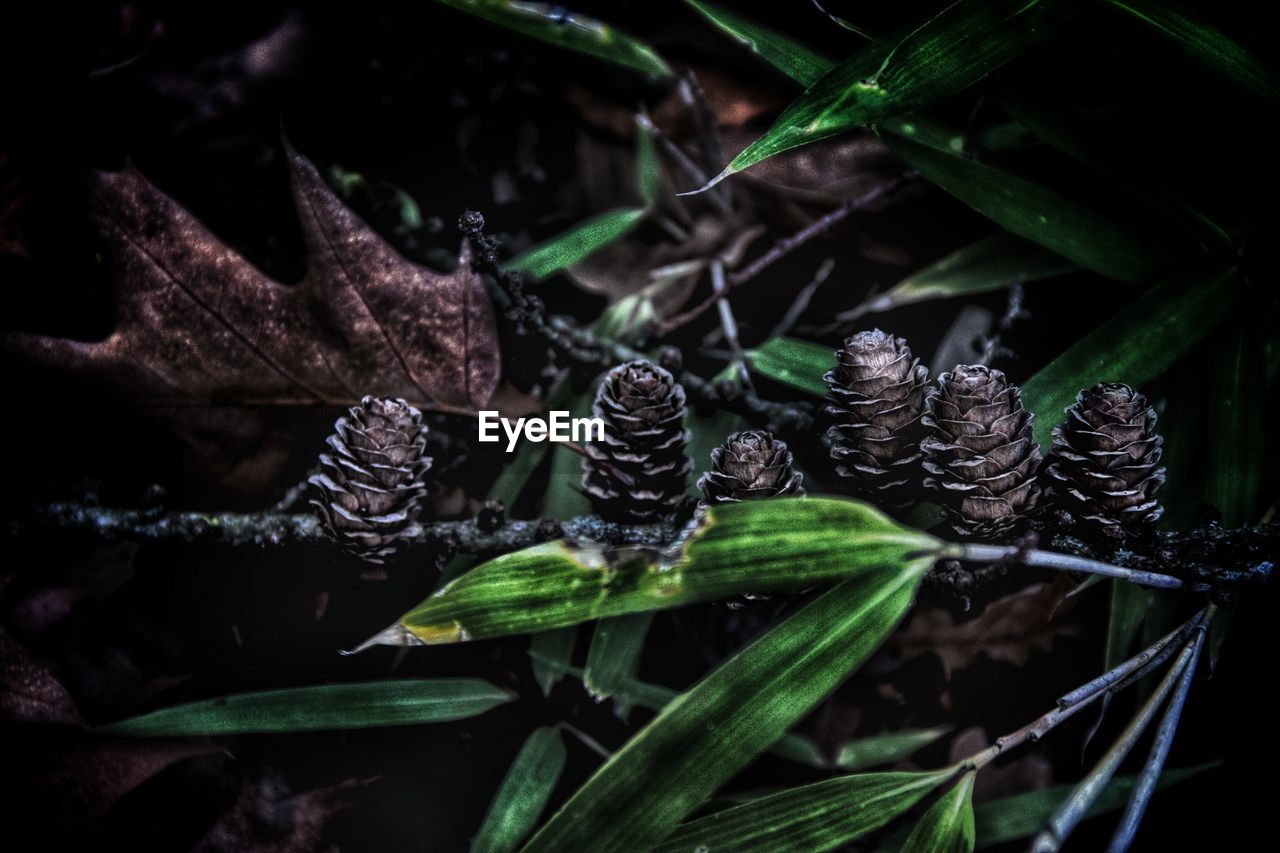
1104	466
637	473
875	399
980	452
749	466
371	485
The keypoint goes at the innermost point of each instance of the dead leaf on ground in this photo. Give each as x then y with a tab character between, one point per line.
29	692
268	818
1011	629
212	346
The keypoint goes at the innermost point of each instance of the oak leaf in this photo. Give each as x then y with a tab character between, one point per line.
200	330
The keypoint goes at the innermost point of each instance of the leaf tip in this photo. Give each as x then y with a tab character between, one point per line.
728	170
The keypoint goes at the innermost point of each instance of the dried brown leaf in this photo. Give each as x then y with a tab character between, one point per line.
1011	629
210	344
268	818
29	692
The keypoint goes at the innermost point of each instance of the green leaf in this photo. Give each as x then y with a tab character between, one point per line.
510	484
1135	346
716	728
551	652
887	748
1236	438
648	166
1206	44
1023	815
551	23
822	816
788	543
1117	243
992	263
959	46
785	54
614	654
655	697
947	827
621	320
575	244
564	498
795	363
1129	603
358	705
524	793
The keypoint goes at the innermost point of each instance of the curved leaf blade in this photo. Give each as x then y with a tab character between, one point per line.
956	48
523	794
554	25
947	827
785	54
1206	44
712	731
1236	439
577	243
359	705
873	751
787	543
1135	346
822	816
795	363
614	654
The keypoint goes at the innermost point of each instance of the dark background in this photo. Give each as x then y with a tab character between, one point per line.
436	103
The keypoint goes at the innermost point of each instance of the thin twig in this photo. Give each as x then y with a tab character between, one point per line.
801	302
1069	563
1073	810
1151	771
785	246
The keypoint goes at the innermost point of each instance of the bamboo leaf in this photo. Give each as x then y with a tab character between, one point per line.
887	748
524	793
614	654
1135	346
1129	603
1236	440
947	827
787	543
785	54
551	652
575	244
715	729
1117	243
822	816
959	46
992	263
359	705
553	24
1205	44
648	166
795	363
655	697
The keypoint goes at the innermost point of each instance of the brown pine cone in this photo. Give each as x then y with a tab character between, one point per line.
750	465
1104	467
875	400
371	485
637	474
980	454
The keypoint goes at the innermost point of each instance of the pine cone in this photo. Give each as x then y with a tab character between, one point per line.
980	452
1104	466
750	465
637	474
371	485
876	400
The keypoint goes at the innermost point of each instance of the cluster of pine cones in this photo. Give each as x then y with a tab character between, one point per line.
897	438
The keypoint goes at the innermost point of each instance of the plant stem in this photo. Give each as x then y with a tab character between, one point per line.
1151	771
1069	563
1071	812
784	247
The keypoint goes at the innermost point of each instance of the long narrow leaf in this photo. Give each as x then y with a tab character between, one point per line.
947	827
359	705
787	543
785	54
873	751
1129	603
614	654
1135	346
575	244
551	23
551	651
1236	438
715	729
1206	44
822	816
960	45
524	793
798	364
